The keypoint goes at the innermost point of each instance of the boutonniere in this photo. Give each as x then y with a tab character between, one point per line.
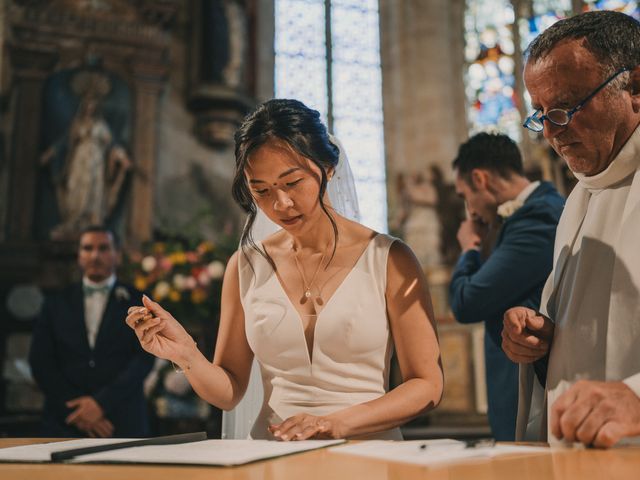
508	208
122	294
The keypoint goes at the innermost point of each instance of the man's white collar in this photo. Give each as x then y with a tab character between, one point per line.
508	208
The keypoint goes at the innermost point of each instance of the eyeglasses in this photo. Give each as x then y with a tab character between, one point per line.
559	116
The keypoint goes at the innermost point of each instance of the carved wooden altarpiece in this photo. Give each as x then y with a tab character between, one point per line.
125	41
49	43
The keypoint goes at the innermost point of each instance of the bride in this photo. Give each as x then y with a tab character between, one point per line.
320	303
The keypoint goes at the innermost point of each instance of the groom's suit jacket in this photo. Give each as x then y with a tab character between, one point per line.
66	367
513	275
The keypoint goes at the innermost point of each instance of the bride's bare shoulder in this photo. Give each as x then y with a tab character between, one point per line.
352	233
277	242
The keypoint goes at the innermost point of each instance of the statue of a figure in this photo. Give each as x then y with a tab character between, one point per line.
417	216
91	174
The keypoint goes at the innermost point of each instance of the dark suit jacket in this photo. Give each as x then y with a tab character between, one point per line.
65	367
513	275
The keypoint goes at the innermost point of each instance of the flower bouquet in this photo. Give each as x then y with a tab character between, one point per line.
186	281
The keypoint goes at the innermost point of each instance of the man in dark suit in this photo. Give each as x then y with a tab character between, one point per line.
507	255
84	357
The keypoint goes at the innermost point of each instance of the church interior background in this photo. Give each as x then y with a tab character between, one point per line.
161	85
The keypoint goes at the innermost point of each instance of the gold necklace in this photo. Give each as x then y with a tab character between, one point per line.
307	286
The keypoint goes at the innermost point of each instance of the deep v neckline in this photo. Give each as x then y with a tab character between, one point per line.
326	304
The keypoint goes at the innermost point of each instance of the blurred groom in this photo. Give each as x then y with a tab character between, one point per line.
522	216
85	359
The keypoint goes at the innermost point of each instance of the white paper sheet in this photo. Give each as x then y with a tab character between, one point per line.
41	452
434	452
207	452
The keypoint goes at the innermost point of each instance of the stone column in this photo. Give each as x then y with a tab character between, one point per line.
421	48
148	85
31	67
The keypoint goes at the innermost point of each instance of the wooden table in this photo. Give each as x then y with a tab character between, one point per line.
619	463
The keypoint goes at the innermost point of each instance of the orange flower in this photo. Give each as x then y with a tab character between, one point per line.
159	248
179	258
198	295
205	247
140	282
174	295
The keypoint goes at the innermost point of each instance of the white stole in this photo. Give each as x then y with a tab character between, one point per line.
623	332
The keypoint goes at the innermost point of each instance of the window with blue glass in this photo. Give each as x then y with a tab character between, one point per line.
328	56
491	54
490	80
630	8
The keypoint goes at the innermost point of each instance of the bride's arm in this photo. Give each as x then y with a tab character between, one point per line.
221	382
413	328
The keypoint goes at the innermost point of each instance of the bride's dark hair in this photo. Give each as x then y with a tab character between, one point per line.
295	124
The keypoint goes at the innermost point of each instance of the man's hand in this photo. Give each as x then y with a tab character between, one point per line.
526	335
596	413
87	411
102	428
471	234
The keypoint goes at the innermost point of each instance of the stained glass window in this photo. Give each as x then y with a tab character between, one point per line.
490	79
630	8
490	53
545	13
352	106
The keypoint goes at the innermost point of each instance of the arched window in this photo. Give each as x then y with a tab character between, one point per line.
630	8
489	53
493	52
328	56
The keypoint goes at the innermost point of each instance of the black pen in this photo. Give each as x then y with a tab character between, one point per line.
479	443
62	455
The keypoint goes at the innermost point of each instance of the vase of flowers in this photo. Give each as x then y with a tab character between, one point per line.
185	277
186	280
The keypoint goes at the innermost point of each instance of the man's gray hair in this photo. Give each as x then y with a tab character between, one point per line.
612	37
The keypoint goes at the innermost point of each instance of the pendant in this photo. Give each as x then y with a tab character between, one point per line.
307	293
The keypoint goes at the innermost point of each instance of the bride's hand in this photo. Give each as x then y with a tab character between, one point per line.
158	332
304	426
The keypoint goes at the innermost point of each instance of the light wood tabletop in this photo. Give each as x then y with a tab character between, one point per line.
590	464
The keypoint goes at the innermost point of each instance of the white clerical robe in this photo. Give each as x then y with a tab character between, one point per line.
593	292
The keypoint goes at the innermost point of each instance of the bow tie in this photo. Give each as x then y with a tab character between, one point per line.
90	290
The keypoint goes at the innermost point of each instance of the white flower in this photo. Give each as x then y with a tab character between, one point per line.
150	382
203	409
162	290
216	269
191	282
122	293
176	383
509	207
162	407
204	278
148	263
179	281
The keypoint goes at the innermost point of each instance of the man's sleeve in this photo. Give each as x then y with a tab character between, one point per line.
132	376
514	271
126	383
45	361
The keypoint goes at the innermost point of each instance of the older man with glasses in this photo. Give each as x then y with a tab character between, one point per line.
582	347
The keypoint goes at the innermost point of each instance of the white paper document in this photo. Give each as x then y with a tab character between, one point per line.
206	452
431	452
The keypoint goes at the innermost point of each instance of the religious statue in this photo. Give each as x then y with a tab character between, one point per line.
87	166
417	218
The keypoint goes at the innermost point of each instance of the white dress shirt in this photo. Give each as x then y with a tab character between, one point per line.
94	305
